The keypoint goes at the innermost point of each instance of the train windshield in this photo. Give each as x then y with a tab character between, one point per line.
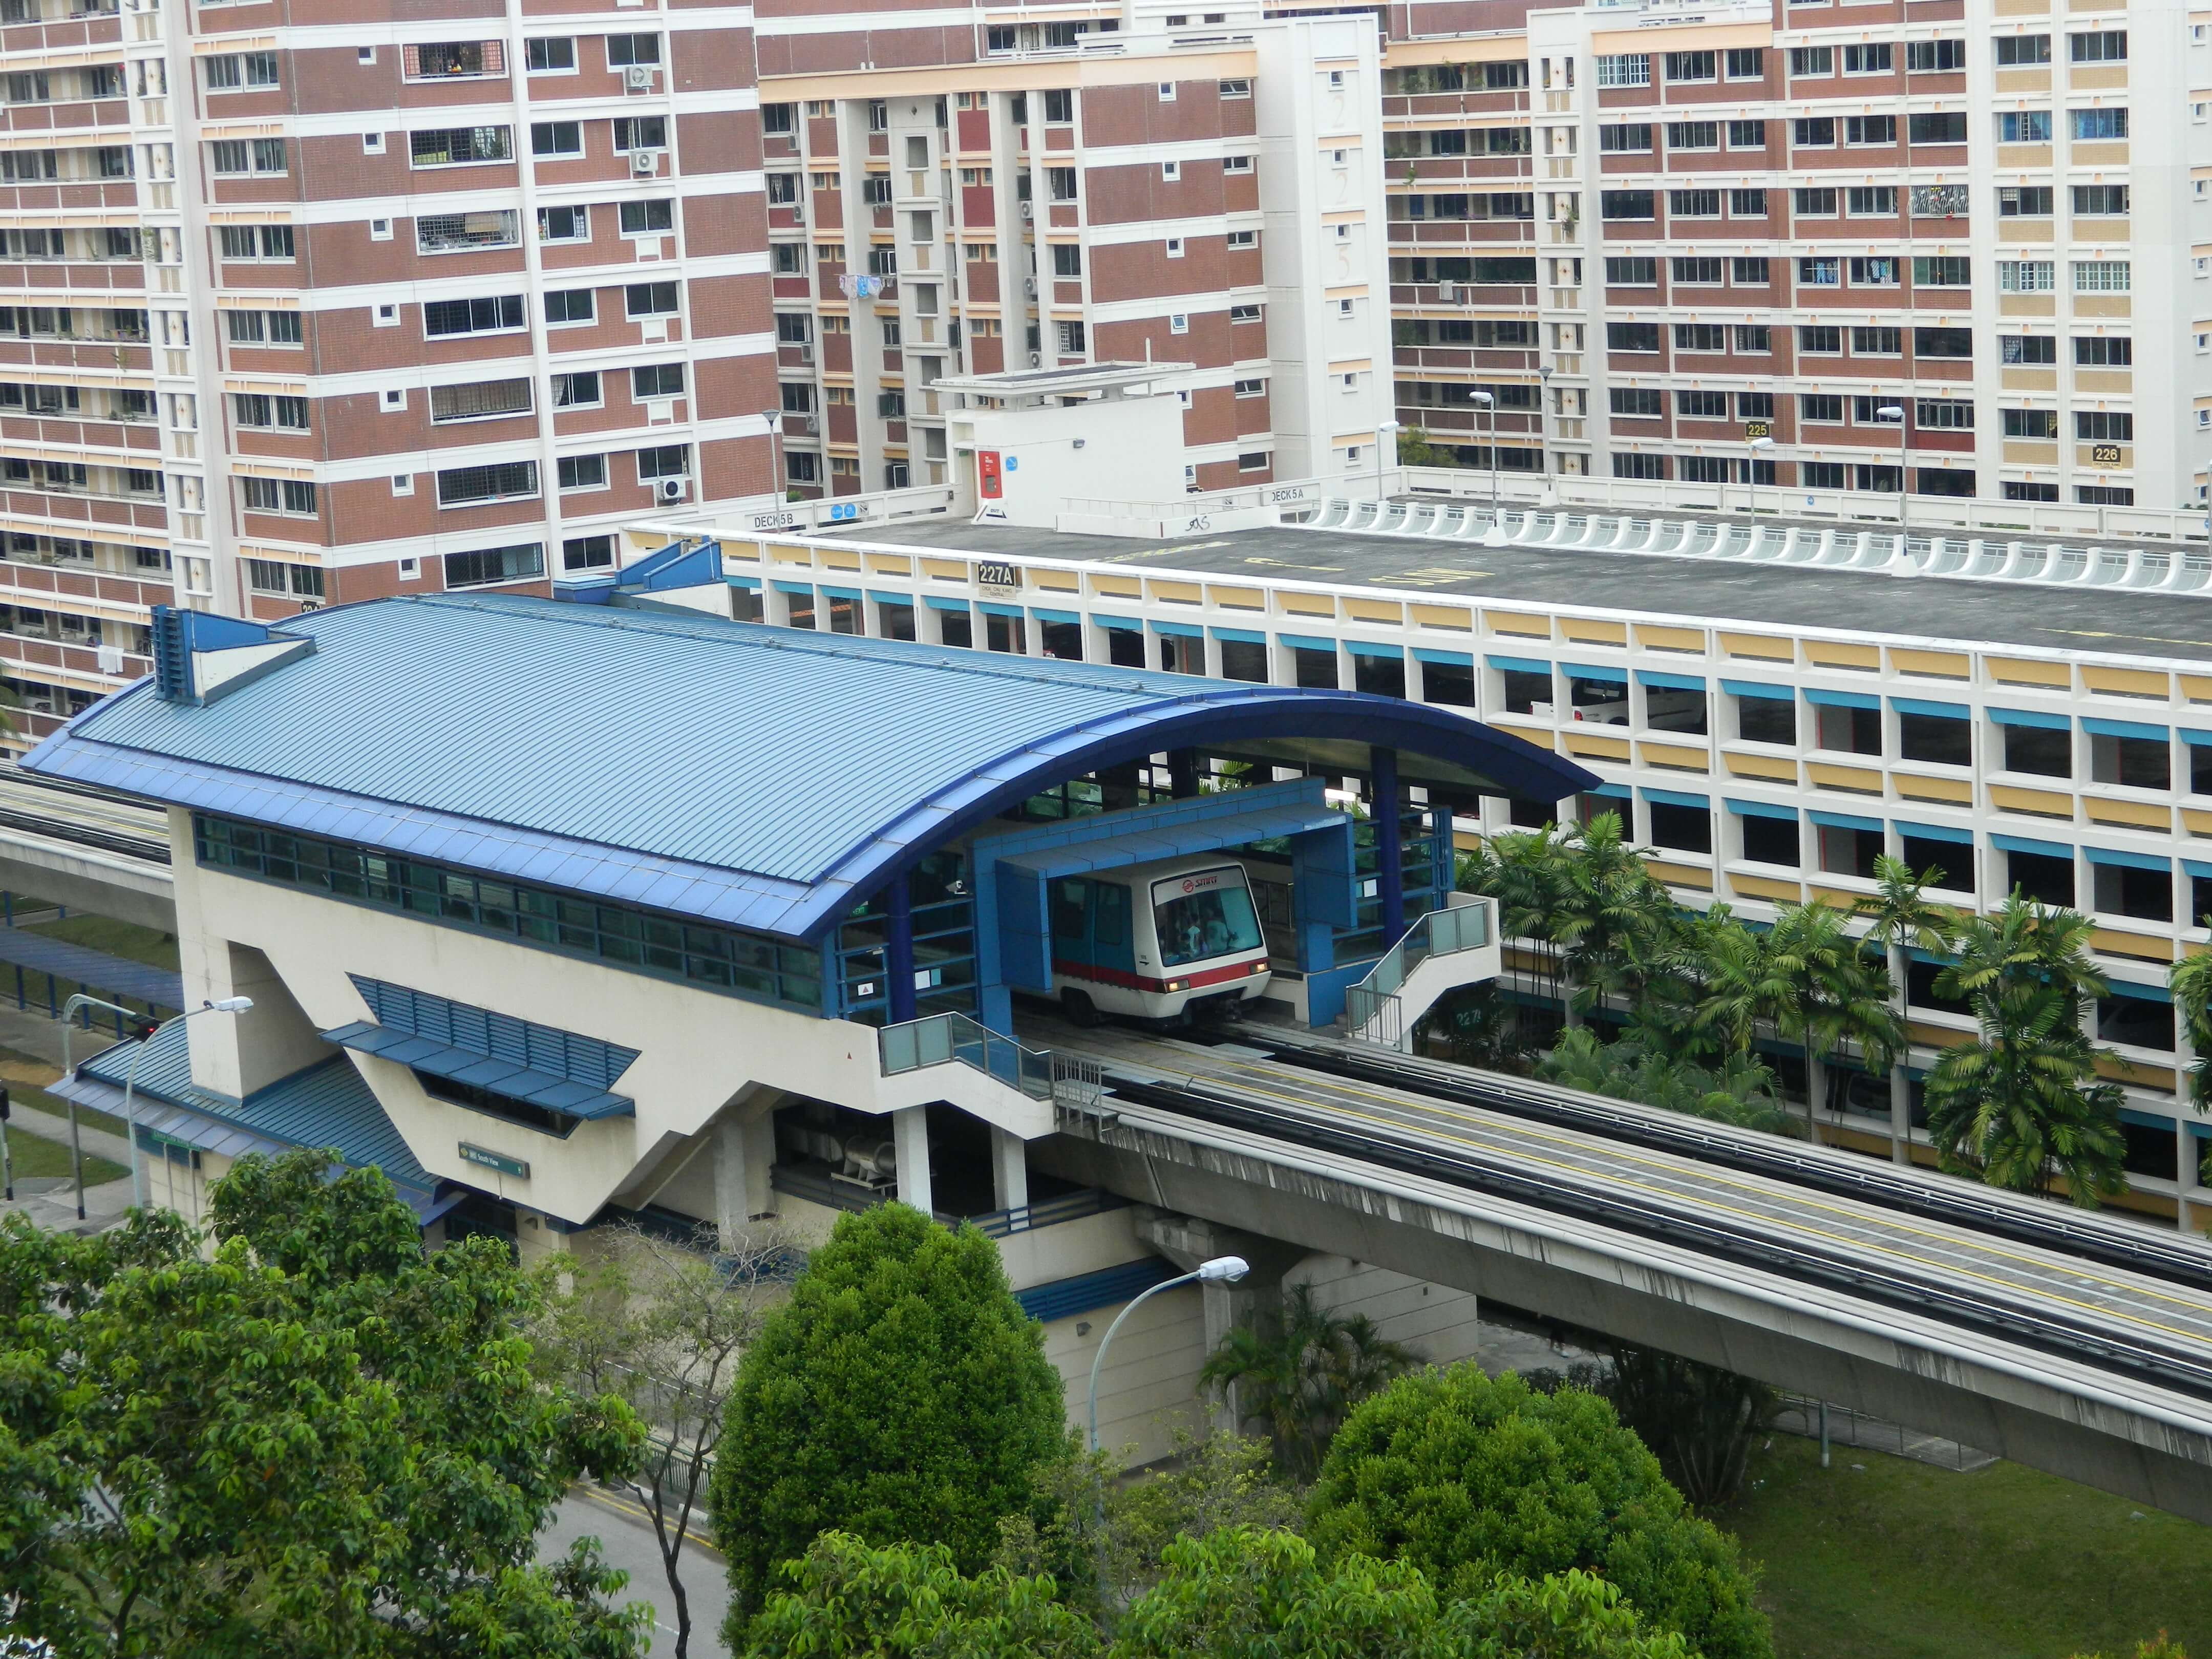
1206	914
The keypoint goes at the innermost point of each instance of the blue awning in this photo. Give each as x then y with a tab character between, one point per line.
1841	699
1760	689
989	609
751	583
1955	711
1449	659
1759	809
1368	649
1239	636
1519	665
2030	717
2129	860
2048	849
1671	682
1671	798
1845	820
1055	616
1935	832
938	602
2105	728
1586	670
801	590
1306	642
1127	624
2198	739
1616	791
851	595
540	1088
1179	630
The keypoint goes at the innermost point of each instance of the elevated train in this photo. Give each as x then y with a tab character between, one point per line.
1159	941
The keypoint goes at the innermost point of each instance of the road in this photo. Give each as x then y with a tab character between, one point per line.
626	1540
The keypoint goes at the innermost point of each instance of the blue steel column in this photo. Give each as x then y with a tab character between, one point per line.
898	948
1389	854
1182	773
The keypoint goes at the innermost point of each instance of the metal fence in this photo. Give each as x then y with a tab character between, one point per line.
953	1038
1833	1425
1372	1010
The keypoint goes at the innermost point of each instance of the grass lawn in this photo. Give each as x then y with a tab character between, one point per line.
31	1156
21	1074
118	938
1903	1561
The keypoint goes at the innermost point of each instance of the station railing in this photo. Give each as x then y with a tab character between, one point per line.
1373	1010
949	1039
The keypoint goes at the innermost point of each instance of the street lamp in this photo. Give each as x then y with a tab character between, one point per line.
1757	446
1386	438
777	489
1495	536
1896	412
1550	497
223	1006
1222	1269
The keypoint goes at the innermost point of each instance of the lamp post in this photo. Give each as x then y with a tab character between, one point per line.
1495	536
1758	447
778	491
1896	412
223	1005
1551	497
1222	1269
68	1023
1386	438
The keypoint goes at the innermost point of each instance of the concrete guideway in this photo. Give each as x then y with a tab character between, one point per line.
2088	1370
86	849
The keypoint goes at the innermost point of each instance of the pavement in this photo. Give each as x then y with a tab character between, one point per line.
51	1200
626	1540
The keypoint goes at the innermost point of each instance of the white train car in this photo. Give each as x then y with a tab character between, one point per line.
1156	941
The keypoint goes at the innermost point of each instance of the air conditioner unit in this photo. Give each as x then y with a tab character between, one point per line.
670	489
1036	360
809	423
638	77
806	351
644	163
1029	286
1029	208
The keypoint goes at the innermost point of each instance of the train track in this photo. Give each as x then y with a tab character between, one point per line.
89	817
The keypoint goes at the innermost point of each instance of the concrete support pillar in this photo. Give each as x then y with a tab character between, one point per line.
1389	854
1010	1171
2185	1149
1182	773
910	1136
898	948
735	1148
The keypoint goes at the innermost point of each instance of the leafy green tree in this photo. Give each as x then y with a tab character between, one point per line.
1245	1594
901	1394
1525	871
660	1323
1610	913
1414	448
845	1599
1835	995
1479	1027
1568	1615
1465	1476
312	1438
2022	1105
1299	1369
1739	1089
1903	917
1699	1420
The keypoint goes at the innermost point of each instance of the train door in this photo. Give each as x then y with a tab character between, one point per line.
1071	927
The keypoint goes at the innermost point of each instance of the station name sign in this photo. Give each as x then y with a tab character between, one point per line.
486	1158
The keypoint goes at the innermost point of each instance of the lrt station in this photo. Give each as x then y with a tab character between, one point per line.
1080	869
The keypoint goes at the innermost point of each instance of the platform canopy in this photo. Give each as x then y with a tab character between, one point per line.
764	778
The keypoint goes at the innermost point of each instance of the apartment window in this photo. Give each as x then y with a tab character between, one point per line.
1701	337
557	138
1698	272
1702	405
1692	66
462	233
1632	337
263	327
1952	342
1934	56
488	315
1627	204
255	241
588	552
564	224
501	481
2096	124
1813	131
1877	342
2024	201
647	218
2025	126
651	299
664	461
2101	47
2104	350
479	400
2112	426
553	54
261	410
2026	275
1819	271
656	380
1753	340
286	495
583	472
1693	135
1820	339
494	564
1693	204
232	156
234	70
1870	201
1746	63
2101	276
1821	475
1626	137
1814	202
1863	131
1246	240
1631	69
1936	127
1631	271
650	132
569	305
1868	57
2021	51
577	389
1060	184
1941	272
1811	60
2026	349
2104	494
444	60
1943	415
1067	259
1821	408
1638	402
1639	466
448	146
624	49
2100	200
1877	271
2031	422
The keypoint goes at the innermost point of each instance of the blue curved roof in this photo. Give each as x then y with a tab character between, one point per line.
763	777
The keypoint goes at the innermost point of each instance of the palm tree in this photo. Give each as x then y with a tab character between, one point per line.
1836	996
1610	911
2191	981
2022	1105
1903	917
1300	1371
1524	870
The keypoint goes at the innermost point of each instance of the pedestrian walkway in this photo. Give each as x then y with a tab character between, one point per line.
66	963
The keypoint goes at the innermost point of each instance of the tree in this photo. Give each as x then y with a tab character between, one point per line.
1699	1420
1609	910
312	1438
1739	1089
1834	995
2191	981
1414	448
2022	1105
847	1600
1903	917
661	1324
1245	1594
901	1394
1525	871
1569	1615
1465	1476
1299	1369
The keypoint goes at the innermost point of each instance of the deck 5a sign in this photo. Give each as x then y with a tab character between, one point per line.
484	1157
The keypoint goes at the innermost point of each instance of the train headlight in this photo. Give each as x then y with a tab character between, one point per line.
1178	984
1257	968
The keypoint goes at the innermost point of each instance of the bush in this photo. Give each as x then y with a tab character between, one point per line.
1466	1477
901	1394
